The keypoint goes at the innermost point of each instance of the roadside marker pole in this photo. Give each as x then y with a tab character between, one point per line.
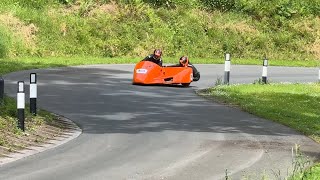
265	70
21	104
33	93
1	90
227	65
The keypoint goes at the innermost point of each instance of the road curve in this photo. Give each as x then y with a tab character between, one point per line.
156	132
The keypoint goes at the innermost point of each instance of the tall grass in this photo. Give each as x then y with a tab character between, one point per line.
5	41
10	46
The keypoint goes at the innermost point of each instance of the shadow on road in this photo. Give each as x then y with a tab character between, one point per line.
105	101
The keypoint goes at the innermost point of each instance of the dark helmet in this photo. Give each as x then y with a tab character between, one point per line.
157	53
184	60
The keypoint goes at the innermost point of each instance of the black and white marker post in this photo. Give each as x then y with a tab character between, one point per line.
265	70
21	104
33	93
227	65
1	90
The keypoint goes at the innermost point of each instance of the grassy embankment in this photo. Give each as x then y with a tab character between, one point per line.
38	34
286	33
39	129
294	105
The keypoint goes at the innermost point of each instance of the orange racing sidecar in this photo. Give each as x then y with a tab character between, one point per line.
147	72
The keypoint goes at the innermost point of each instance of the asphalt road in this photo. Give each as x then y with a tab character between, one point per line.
156	132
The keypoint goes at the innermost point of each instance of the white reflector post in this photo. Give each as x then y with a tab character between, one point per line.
227	67
33	78
21	105
33	93
265	70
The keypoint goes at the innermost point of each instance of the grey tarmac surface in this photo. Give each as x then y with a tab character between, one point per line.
156	132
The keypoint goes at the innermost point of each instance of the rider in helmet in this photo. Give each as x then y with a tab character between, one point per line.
155	57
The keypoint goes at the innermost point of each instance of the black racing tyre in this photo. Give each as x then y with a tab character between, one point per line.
196	77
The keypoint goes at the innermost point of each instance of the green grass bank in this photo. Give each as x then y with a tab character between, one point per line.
282	30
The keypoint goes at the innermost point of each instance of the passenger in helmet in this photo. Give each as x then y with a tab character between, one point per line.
155	57
184	62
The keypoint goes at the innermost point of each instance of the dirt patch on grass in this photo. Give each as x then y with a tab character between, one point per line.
310	27
241	27
214	20
315	49
20	30
90	9
110	8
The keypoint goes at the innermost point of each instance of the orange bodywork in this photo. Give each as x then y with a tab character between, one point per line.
146	72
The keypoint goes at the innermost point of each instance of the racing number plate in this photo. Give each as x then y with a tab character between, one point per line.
141	71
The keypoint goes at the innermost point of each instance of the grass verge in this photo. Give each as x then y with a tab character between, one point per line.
312	173
38	129
294	105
